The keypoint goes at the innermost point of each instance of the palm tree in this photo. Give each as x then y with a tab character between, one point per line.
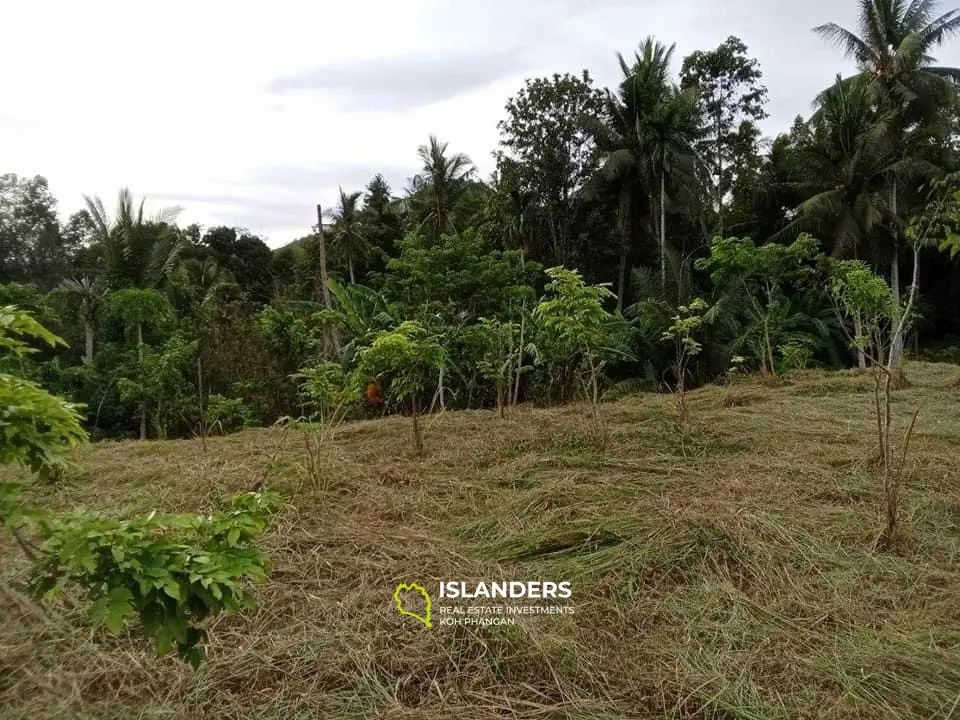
349	235
90	298
846	164
439	185
140	252
893	51
668	130
647	137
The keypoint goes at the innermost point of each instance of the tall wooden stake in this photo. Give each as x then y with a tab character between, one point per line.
331	335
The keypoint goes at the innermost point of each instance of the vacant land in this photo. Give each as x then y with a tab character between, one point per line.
724	572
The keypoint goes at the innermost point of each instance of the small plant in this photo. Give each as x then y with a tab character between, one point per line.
325	393
794	356
403	360
502	357
229	414
686	323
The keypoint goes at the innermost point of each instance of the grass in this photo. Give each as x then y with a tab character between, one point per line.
728	576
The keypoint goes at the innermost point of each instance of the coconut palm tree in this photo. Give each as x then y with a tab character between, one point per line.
846	164
140	252
349	235
894	44
668	129
647	140
90	297
437	189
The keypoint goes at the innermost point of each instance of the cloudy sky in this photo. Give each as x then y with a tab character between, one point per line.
249	114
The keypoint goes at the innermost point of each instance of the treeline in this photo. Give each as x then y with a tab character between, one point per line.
661	189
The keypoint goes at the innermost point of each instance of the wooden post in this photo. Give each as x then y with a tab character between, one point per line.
331	335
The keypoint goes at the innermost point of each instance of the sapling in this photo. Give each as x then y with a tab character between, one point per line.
866	301
686	322
576	332
404	360
326	393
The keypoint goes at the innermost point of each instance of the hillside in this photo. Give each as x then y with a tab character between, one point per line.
726	575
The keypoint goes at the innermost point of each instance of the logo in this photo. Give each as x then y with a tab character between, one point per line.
417	588
518	602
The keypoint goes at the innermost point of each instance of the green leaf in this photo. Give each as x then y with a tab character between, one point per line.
172	588
119	608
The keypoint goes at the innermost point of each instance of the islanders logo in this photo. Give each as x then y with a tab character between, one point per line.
404	587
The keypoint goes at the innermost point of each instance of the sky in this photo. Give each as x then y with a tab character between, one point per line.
249	114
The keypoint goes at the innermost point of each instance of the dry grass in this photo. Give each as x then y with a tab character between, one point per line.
728	576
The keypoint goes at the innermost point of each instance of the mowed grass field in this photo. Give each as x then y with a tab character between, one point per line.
725	572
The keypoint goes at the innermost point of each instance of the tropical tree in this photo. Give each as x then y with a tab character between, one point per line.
546	156
139	251
730	96
668	129
349	237
622	175
89	297
437	188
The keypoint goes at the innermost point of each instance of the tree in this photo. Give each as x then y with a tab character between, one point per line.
349	237
576	334
379	217
246	257
845	162
404	360
458	275
136	307
435	191
668	129
762	274
625	171
139	252
89	296
892	53
32	246
730	95
548	154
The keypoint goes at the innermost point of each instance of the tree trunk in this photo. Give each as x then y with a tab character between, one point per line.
331	334
143	406
417	438
350	268
203	415
663	231
88	347
896	344
523	318
720	164
516	380
443	404
858	331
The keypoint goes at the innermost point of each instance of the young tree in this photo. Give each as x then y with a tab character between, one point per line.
576	334
404	360
136	307
731	96
681	333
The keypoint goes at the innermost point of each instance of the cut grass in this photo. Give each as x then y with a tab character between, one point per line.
730	576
